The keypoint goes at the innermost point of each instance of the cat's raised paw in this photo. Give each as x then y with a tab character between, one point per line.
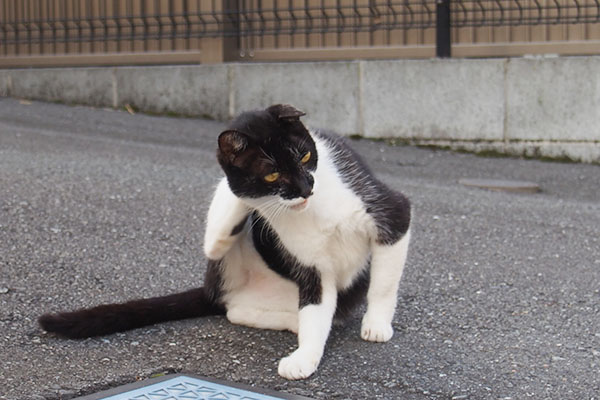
216	249
298	366
376	331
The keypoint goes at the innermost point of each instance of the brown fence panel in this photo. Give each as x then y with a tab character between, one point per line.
334	29
57	32
103	32
271	30
515	27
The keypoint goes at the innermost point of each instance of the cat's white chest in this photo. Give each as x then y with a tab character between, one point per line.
333	234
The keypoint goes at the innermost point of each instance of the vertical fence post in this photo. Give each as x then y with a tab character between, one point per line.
443	45
222	44
231	29
213	45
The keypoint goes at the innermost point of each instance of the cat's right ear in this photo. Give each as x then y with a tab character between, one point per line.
231	144
285	112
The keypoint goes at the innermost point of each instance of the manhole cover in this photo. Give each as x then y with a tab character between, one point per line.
180	387
503	185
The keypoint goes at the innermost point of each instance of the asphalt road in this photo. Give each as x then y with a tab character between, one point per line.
500	297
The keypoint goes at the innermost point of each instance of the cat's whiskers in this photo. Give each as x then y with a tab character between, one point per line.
264	208
272	211
268	207
279	210
267	211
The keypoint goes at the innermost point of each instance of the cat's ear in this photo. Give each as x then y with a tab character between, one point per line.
231	144
285	112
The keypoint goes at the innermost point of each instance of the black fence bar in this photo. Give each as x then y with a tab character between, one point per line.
50	26
442	29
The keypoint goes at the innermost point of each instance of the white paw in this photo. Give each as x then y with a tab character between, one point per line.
373	330
218	248
298	365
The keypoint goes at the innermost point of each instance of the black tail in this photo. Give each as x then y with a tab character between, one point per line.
111	318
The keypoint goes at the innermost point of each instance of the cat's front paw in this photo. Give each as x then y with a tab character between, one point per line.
298	365
374	330
217	248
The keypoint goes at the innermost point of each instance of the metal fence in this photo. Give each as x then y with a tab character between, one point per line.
518	12
516	27
153	31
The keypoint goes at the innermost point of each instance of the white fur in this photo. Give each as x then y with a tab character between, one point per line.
331	231
387	264
225	212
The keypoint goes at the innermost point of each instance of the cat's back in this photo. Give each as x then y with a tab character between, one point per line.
336	203
389	209
346	160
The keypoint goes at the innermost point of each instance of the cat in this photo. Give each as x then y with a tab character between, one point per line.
298	233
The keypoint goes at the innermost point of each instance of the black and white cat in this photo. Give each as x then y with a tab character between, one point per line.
297	233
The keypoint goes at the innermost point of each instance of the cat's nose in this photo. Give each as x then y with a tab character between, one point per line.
304	187
306	192
307	195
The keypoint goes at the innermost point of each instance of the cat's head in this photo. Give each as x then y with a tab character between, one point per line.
269	155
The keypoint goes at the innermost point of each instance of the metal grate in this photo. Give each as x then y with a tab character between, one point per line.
49	26
183	387
479	13
74	27
315	22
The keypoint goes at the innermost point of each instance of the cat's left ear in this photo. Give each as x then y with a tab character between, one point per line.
231	144
285	112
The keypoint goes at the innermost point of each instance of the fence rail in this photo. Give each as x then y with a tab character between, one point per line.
218	30
518	12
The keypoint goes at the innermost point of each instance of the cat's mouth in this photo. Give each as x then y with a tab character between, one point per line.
300	206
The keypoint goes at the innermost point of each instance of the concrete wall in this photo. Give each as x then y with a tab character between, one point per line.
536	107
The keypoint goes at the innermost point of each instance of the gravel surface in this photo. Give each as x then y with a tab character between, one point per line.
500	297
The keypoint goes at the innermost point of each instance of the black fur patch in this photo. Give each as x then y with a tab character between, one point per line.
349	298
213	283
281	261
389	209
238	228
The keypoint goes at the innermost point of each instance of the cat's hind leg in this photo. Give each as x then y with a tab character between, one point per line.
263	319
257	296
387	264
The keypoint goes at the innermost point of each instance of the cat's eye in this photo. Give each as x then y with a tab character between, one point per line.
272	177
306	157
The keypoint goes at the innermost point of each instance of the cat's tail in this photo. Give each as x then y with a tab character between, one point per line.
111	318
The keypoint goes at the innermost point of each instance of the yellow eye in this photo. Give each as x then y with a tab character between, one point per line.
305	158
272	177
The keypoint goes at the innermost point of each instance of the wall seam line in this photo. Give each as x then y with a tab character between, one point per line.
505	119
360	105
230	84
115	91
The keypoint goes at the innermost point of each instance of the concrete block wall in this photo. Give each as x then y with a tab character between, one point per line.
554	99
328	93
91	86
435	99
190	90
535	107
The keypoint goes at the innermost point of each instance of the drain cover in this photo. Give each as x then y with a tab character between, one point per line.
503	185
185	387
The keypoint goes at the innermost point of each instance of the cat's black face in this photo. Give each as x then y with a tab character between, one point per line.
269	153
